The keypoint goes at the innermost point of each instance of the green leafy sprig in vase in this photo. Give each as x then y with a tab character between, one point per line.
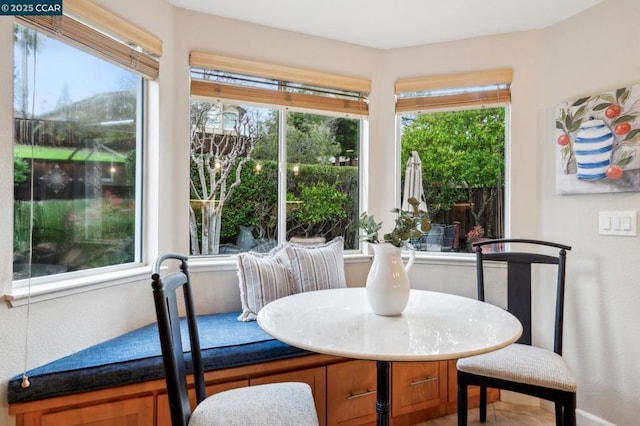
408	225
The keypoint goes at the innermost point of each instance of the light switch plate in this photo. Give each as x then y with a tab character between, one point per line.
622	223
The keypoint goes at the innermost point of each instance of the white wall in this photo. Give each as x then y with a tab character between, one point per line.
602	332
550	66
65	325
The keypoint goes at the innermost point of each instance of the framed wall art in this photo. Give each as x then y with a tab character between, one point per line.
598	143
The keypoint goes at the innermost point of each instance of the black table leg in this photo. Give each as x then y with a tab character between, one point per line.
382	402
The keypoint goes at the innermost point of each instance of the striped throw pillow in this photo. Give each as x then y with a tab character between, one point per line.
318	267
263	278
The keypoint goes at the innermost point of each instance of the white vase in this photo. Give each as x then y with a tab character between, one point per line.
387	282
592	148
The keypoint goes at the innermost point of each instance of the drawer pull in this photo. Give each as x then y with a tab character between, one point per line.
421	381
361	394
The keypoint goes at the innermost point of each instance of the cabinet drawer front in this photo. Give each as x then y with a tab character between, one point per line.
129	412
351	393
416	386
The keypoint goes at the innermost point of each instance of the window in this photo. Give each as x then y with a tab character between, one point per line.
456	127
77	145
284	165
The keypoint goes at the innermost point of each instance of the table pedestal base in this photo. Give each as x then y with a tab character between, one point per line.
382	400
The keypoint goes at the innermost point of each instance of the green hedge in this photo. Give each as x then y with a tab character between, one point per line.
254	202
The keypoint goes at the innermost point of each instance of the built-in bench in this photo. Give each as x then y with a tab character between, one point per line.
121	381
136	357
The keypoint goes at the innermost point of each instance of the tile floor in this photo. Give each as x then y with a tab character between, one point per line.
501	414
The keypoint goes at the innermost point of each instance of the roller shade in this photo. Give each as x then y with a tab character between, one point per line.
278	72
112	23
250	81
454	90
118	43
293	100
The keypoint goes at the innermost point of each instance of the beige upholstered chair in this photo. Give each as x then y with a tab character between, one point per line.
284	404
521	367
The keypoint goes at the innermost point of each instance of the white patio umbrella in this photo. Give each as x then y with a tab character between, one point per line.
413	184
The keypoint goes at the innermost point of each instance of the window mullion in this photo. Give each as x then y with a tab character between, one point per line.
140	167
282	175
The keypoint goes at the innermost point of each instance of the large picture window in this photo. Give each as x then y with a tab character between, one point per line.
77	150
271	161
455	127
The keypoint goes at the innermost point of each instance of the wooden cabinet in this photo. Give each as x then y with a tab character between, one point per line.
146	403
351	393
417	386
344	392
128	412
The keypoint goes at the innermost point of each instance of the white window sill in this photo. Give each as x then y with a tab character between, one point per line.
51	288
444	258
230	263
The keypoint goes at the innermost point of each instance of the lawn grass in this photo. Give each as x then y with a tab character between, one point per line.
64	154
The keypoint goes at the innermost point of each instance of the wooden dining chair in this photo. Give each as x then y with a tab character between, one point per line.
521	367
271	404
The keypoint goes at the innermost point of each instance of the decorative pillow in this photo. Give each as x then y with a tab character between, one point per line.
263	278
317	267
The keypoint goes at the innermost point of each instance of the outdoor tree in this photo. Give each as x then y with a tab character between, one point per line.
217	157
462	154
322	207
312	145
27	42
254	203
309	139
345	130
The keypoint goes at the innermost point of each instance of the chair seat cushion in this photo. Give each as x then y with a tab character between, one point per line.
284	404
522	364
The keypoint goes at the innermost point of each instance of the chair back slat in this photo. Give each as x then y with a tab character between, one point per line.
170	329
519	296
519	280
562	266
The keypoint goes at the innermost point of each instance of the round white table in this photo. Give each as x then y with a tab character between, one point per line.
434	326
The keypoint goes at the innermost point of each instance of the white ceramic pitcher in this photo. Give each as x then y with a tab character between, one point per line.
388	282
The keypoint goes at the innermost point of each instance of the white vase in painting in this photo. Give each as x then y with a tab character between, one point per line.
592	148
387	282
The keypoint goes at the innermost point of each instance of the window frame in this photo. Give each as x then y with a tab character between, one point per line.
455	92
282	161
87	15
215	91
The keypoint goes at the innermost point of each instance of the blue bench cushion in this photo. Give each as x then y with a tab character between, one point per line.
136	357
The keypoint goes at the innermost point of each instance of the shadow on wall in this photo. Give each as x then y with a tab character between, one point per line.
588	326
